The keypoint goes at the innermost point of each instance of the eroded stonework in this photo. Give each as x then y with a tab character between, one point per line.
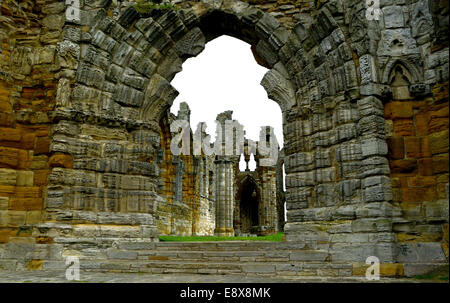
84	101
202	194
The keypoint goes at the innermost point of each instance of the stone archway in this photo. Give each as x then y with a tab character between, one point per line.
133	92
335	159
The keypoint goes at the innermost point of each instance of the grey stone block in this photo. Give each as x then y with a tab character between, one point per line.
372	225
257	268
393	16
414	269
373	147
378	193
121	254
8	265
308	256
289	267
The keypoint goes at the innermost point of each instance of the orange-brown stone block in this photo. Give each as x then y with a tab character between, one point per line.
40	177
20	192
28	92
5	106
61	160
35	264
398	110
418	194
420	181
158	258
439	115
437	124
417	147
404	127
6	119
440	164
4	235
28	192
26	203
425	166
7	190
396	148
439	142
24	159
4	92
10	134
28	139
440	91
403	166
403	182
9	157
386	269
439	111
44	240
42	145
422	121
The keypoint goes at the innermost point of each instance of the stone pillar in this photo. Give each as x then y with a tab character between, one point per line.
268	215
178	186
224	197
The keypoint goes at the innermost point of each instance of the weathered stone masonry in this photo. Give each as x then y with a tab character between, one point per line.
365	122
202	194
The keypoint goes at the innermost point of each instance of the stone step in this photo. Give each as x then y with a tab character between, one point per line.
230	256
106	250
177	267
214	246
119	248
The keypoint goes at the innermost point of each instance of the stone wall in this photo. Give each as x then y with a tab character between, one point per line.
409	107
263	181
188	190
418	158
29	69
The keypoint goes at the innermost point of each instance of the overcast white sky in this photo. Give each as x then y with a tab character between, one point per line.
225	76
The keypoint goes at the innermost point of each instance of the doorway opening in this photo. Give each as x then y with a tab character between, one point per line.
249	207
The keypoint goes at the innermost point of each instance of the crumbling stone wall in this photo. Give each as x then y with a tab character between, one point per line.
29	70
331	70
187	188
416	113
263	179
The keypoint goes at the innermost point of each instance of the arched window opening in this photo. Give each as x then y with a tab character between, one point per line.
225	76
249	207
400	80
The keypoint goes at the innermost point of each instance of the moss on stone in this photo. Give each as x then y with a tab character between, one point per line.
439	274
145	7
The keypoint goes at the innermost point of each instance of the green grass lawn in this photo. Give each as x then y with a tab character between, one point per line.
274	237
439	274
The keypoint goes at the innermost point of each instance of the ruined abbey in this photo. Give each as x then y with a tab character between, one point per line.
86	167
209	195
